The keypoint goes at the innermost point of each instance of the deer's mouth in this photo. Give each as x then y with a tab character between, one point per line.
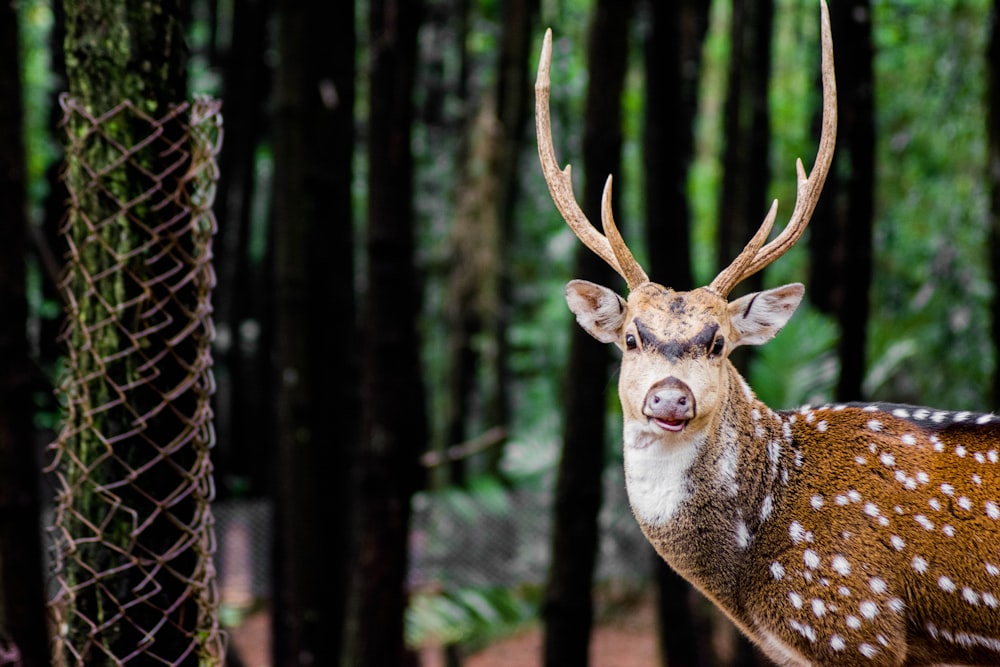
674	425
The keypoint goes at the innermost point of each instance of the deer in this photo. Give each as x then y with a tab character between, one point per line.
842	534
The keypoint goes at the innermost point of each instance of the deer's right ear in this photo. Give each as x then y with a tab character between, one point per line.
599	310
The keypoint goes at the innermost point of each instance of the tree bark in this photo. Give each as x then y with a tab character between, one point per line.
395	428
318	407
840	243
132	458
568	606
22	598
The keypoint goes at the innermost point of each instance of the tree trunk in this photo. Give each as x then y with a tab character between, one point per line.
513	106
840	243
672	66
244	460
395	429
568	607
745	168
993	162
22	598
133	524
318	409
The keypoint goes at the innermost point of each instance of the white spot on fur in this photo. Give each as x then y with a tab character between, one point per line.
948	530
960	451
777	571
990	600
946	584
868	650
964	503
796	532
908	439
919	564
853	622
992	570
871	509
897	542
896	605
924	521
868	609
841	565
837	643
992	511
816	501
811	559
875	425
766	507
878	585
970	596
819	608
947	489
795	599
742	535
887	459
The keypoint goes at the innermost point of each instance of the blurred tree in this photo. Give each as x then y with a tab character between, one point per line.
318	405
244	460
22	599
479	281
568	607
993	179
840	235
673	54
395	428
747	134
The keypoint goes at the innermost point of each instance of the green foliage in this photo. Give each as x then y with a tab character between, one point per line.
800	365
931	292
470	616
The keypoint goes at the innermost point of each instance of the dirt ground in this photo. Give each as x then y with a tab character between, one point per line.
628	640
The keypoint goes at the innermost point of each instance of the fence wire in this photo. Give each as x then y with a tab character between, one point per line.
133	535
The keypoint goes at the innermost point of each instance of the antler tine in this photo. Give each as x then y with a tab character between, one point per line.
809	187
629	268
560	183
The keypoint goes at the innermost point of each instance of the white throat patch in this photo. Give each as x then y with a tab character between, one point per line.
656	474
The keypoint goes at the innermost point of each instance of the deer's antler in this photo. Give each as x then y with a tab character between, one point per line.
754	257
609	246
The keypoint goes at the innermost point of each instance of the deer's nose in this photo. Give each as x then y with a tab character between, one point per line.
670	404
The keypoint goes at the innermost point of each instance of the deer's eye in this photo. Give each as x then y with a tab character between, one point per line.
717	346
630	343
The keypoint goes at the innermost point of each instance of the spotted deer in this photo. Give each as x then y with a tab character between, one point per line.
835	535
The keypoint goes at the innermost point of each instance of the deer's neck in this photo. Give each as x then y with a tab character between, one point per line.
699	514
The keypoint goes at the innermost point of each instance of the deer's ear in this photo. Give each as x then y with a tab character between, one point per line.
758	317
600	311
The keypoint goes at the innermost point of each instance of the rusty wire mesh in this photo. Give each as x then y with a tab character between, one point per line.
133	531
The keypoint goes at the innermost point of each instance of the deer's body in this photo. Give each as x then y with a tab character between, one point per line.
842	535
850	535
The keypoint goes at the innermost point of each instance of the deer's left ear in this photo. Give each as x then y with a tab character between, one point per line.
758	317
599	310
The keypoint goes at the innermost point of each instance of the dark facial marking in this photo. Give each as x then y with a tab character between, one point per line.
671	349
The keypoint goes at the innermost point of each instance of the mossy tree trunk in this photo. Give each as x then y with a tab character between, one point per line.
132	527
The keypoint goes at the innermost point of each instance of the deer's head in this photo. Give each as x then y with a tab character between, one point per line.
675	345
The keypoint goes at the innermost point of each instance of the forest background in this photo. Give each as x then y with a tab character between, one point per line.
398	379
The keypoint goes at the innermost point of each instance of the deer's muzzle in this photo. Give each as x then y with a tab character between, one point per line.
669	404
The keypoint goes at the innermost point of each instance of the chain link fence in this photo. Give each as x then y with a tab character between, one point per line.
134	581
